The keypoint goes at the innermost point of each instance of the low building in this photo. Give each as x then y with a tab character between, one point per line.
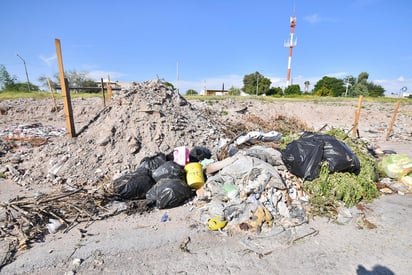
216	92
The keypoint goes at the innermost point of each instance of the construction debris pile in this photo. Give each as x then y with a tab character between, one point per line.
117	155
149	118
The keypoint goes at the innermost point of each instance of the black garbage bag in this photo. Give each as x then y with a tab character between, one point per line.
153	162
134	185
169	169
338	155
304	156
169	193
199	153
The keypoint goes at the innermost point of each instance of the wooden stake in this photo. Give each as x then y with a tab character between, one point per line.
65	92
52	95
357	115
398	103
104	101
109	89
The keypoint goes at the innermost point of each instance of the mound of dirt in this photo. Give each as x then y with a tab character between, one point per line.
149	118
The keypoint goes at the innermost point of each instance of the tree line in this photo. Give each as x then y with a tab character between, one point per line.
253	84
76	79
257	84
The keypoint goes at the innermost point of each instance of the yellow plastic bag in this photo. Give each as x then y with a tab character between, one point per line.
396	166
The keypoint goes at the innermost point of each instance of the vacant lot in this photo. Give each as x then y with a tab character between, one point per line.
114	139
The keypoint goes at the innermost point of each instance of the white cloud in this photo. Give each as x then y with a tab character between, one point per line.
312	19
393	86
48	60
316	18
98	74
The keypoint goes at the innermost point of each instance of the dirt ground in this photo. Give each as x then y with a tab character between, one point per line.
143	243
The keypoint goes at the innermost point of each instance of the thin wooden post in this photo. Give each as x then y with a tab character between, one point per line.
65	92
104	101
398	103
52	95
357	115
109	89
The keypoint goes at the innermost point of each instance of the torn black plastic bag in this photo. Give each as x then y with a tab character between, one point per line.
169	193
169	169
304	156
134	185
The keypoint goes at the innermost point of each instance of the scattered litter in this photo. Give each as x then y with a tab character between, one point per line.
396	165
407	180
216	223
183	245
181	155
261	136
77	262
58	165
31	131
194	175
242	189
53	226
164	218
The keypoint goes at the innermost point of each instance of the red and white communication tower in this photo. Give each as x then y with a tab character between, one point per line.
290	44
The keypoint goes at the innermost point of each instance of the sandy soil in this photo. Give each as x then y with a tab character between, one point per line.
144	244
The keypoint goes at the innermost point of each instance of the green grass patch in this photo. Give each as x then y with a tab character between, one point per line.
42	95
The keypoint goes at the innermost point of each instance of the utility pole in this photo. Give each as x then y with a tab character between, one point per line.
347	84
25	68
257	83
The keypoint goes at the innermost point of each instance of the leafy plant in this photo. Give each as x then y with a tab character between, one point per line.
346	187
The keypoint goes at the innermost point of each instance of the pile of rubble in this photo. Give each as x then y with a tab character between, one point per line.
149	118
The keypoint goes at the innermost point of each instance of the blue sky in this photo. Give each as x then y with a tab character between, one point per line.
210	42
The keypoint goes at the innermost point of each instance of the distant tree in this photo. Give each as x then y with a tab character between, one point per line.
75	79
306	83
332	83
323	91
292	90
264	86
275	91
5	79
360	89
363	77
234	91
43	81
191	92
9	83
256	81
375	90
22	87
365	88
